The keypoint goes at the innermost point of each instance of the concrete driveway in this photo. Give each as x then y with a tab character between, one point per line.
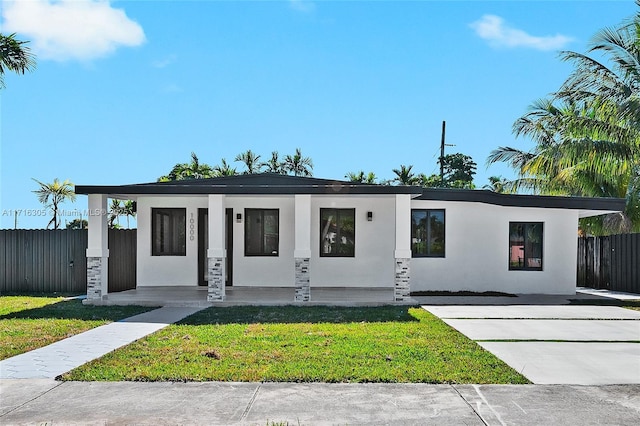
578	345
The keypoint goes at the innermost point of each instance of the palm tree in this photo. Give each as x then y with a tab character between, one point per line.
192	170
251	162
361	177
404	176
274	165
587	135
496	184
128	210
298	165
224	169
14	56
52	194
115	211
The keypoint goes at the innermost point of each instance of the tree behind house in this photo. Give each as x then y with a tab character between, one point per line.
51	195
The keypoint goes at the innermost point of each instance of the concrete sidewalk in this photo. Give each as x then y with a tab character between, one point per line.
67	354
583	345
216	403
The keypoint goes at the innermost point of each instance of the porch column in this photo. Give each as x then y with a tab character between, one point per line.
302	250
216	252
97	248
402	284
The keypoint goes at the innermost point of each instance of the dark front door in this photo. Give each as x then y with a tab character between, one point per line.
203	244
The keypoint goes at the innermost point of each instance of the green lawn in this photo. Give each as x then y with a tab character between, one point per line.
304	344
30	322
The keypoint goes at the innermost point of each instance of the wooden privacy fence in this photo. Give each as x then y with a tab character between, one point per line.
47	261
611	262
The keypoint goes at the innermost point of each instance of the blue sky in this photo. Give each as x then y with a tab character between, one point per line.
123	90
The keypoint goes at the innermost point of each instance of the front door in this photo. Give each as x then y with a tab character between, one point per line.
203	244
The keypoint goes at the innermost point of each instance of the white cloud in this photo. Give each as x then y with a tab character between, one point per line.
493	29
71	29
302	5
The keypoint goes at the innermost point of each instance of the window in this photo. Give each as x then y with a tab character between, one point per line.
427	233
169	232
261	232
337	232
525	246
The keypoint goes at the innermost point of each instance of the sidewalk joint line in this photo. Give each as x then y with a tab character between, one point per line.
245	413
484	422
32	399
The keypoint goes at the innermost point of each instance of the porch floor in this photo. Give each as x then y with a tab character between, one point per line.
264	296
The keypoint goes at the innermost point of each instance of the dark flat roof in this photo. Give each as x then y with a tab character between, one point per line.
260	183
275	184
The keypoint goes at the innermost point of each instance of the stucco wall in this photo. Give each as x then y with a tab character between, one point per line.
167	270
477	242
477	237
268	271
373	264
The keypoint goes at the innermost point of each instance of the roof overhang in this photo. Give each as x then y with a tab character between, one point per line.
586	206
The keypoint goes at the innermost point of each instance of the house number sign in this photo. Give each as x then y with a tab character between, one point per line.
192	228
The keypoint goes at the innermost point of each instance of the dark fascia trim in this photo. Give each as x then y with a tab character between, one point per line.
513	200
165	189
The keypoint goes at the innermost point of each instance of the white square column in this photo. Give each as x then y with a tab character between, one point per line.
302	249
97	248
402	284
216	253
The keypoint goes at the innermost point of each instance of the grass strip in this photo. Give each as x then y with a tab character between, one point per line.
304	344
31	322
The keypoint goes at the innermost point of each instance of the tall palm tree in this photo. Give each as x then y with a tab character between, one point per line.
274	165
404	175
191	170
251	161
587	135
52	195
298	164
15	56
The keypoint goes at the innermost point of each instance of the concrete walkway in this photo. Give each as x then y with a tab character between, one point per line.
215	403
65	355
582	345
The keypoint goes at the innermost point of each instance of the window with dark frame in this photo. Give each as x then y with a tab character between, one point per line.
525	246
427	233
337	232
261	232
169	232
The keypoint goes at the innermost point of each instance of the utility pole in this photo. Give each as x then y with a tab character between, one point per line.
442	145
444	126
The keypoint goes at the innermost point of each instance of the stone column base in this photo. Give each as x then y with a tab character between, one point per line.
303	287
215	277
402	286
94	278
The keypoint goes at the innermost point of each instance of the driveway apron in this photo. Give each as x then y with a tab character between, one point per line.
578	345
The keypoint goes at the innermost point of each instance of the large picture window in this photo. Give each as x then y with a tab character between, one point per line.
525	246
169	232
261	232
337	232
427	233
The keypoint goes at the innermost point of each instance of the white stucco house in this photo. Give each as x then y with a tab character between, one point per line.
267	230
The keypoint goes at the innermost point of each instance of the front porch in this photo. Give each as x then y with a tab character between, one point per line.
258	296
